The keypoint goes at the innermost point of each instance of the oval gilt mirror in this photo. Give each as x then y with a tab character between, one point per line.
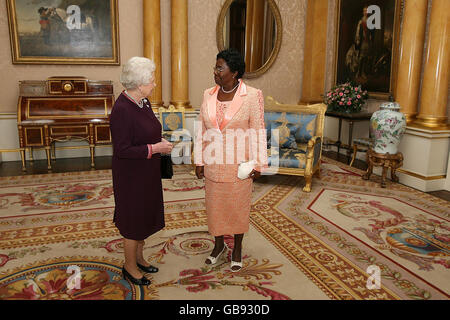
253	27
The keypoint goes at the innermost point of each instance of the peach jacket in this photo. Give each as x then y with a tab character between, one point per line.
220	148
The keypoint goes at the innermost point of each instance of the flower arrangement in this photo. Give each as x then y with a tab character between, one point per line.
345	97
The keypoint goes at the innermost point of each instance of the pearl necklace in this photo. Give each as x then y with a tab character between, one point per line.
221	88
140	103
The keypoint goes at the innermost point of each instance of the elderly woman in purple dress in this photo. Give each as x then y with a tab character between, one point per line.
136	171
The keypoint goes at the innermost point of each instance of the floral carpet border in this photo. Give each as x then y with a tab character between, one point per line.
331	272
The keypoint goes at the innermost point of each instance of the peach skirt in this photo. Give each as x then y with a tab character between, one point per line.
228	206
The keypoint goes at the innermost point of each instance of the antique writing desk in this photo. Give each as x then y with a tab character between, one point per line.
63	109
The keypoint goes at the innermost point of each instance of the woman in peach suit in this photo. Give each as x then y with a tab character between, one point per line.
232	132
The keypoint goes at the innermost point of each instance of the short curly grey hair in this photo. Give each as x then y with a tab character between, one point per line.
137	72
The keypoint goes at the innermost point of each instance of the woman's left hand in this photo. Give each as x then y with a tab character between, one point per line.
254	174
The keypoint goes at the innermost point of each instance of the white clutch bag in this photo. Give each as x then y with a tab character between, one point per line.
245	168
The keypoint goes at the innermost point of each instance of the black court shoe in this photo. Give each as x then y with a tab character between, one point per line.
140	282
149	269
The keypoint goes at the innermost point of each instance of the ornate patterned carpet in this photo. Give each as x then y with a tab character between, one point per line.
316	245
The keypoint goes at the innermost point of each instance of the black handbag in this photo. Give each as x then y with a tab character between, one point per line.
166	166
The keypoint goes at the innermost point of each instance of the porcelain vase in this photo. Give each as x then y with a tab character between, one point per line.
387	127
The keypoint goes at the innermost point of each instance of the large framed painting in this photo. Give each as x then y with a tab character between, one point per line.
367	44
64	31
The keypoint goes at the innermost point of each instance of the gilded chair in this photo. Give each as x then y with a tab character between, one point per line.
294	138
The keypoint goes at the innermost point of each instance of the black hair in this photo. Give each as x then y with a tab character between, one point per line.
234	60
41	9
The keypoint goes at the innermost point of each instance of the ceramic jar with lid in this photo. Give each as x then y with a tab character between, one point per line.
387	126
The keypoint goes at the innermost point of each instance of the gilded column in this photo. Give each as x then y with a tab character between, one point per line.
410	57
254	38
313	85
248	34
179	42
152	45
433	102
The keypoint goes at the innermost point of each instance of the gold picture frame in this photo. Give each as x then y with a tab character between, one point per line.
374	66
75	32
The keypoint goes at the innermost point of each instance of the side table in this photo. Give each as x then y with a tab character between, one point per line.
385	160
351	118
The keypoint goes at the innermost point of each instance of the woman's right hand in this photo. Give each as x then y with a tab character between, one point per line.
162	147
199	172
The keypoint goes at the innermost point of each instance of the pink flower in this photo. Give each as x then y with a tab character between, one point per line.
359	97
349	103
341	94
341	103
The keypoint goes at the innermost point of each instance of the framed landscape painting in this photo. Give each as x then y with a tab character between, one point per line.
64	31
367	44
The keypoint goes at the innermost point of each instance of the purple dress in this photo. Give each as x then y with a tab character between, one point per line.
138	194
